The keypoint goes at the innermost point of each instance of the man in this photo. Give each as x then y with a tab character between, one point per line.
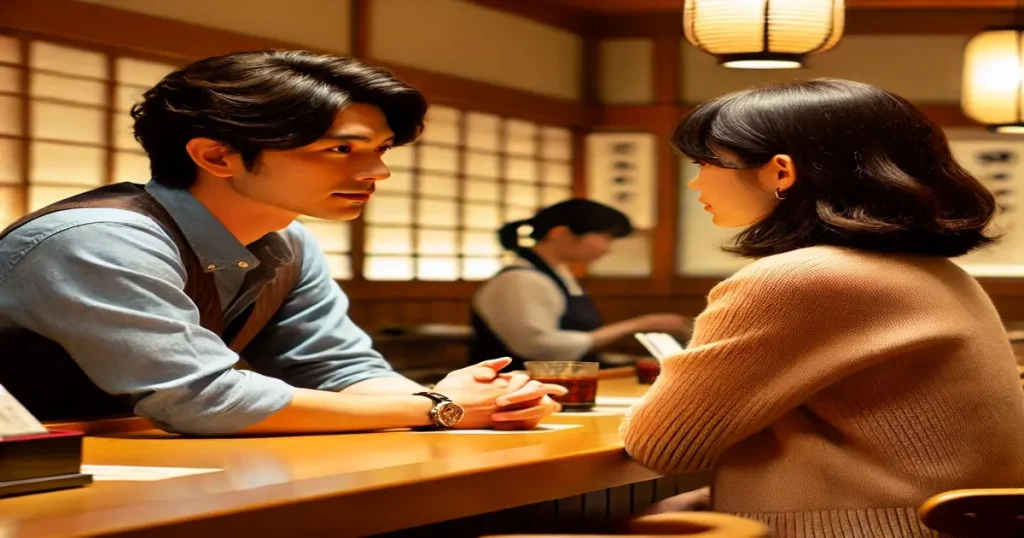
132	299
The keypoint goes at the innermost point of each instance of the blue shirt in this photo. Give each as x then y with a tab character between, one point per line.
108	285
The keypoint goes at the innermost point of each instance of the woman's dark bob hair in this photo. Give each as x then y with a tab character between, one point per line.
872	172
263	100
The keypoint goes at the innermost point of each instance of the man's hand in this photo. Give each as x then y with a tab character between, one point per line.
525	416
504	401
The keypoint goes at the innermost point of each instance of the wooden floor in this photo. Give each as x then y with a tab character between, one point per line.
347	485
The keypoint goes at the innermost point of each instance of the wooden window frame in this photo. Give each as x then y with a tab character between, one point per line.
461	175
109	108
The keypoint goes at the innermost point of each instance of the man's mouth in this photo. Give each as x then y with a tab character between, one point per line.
354	197
359	196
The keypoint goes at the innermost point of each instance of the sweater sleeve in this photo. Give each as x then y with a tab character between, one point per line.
769	339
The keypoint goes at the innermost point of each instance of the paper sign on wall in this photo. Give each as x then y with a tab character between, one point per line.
998	162
622	173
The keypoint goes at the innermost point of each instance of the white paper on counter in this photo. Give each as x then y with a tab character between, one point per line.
131	473
543	428
616	401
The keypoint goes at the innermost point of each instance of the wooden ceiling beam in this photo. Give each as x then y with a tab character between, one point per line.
858	22
545	12
613	7
935	21
654	18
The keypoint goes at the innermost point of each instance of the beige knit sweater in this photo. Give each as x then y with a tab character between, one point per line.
833	391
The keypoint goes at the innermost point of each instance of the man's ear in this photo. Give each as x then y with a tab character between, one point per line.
214	157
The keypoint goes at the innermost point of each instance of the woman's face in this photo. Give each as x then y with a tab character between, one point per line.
741	197
572	248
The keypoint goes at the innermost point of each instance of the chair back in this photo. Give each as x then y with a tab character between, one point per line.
976	512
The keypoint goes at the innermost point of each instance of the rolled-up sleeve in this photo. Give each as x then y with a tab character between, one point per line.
312	342
111	293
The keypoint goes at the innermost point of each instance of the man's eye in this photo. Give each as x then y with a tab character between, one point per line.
342	149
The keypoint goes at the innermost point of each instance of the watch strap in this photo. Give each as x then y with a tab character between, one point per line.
438	399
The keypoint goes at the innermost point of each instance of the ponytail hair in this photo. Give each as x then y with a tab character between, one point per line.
581	216
508	234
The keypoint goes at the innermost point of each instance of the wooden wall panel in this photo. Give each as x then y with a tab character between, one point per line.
393	312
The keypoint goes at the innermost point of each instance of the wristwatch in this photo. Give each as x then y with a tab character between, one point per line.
445	413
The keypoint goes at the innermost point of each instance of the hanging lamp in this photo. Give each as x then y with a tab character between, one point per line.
991	90
763	34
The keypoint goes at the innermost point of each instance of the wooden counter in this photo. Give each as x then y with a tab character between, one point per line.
344	485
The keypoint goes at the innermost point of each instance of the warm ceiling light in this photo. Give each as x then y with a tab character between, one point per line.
763	34
991	88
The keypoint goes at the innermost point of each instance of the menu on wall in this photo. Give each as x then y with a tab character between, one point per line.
621	173
998	162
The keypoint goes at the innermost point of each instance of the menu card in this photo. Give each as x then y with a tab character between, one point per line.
660	345
15	420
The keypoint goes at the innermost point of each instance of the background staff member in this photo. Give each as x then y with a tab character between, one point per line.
534	309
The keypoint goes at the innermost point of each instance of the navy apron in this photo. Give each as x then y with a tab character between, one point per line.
580	315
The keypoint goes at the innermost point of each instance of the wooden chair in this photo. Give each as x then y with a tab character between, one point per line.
976	512
689	524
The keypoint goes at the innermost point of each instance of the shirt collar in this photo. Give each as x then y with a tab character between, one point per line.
214	246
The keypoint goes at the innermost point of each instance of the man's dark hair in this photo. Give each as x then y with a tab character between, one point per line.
871	171
263	100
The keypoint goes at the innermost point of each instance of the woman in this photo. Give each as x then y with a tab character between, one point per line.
535	309
852	370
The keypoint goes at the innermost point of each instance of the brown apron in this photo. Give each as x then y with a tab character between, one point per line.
48	382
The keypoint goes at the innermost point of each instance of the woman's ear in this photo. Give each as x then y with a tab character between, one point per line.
559	232
778	174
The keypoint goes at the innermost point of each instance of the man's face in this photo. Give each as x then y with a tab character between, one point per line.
331	178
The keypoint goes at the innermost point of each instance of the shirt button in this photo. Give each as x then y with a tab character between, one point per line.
211	267
243	265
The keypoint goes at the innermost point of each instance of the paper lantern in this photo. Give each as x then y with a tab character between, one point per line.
991	89
763	34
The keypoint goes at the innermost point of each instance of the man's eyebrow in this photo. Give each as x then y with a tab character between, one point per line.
354	137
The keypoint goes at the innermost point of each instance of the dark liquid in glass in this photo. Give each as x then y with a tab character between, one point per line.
582	392
647	370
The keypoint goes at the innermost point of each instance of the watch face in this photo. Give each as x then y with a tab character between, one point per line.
448	414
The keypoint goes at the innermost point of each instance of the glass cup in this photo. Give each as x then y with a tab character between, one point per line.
647	370
580	378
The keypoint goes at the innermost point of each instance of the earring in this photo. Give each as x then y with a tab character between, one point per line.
777	195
